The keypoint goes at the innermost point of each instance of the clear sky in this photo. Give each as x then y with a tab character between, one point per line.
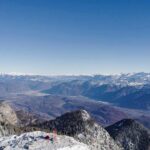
74	36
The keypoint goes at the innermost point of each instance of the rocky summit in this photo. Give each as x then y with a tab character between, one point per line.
83	128
130	134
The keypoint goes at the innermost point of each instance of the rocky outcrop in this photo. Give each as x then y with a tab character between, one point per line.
7	129
37	141
7	114
130	134
82	127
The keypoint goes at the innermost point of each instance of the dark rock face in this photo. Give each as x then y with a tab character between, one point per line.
130	134
70	123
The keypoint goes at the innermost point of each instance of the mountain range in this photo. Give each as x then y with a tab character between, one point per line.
117	106
108	98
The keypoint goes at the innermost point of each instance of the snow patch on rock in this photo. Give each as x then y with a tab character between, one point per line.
36	141
85	115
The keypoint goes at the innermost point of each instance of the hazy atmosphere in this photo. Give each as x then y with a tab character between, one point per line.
74	36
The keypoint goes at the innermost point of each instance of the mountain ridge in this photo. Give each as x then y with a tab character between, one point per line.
130	134
82	128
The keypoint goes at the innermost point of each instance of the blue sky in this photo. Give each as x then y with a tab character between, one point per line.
74	36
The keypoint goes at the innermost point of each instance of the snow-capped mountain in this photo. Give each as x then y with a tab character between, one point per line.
119	92
14	84
132	79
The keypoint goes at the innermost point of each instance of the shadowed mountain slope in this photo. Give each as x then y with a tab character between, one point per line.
130	134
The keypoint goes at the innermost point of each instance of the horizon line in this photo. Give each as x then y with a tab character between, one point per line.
104	74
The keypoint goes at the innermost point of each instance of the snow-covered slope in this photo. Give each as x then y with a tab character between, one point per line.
37	141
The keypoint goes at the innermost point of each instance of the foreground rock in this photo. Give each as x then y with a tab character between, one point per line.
7	129
38	141
7	114
130	134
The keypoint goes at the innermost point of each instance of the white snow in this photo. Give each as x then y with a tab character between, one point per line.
120	124
36	141
85	115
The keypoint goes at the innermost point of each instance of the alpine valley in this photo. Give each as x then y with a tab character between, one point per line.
84	112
